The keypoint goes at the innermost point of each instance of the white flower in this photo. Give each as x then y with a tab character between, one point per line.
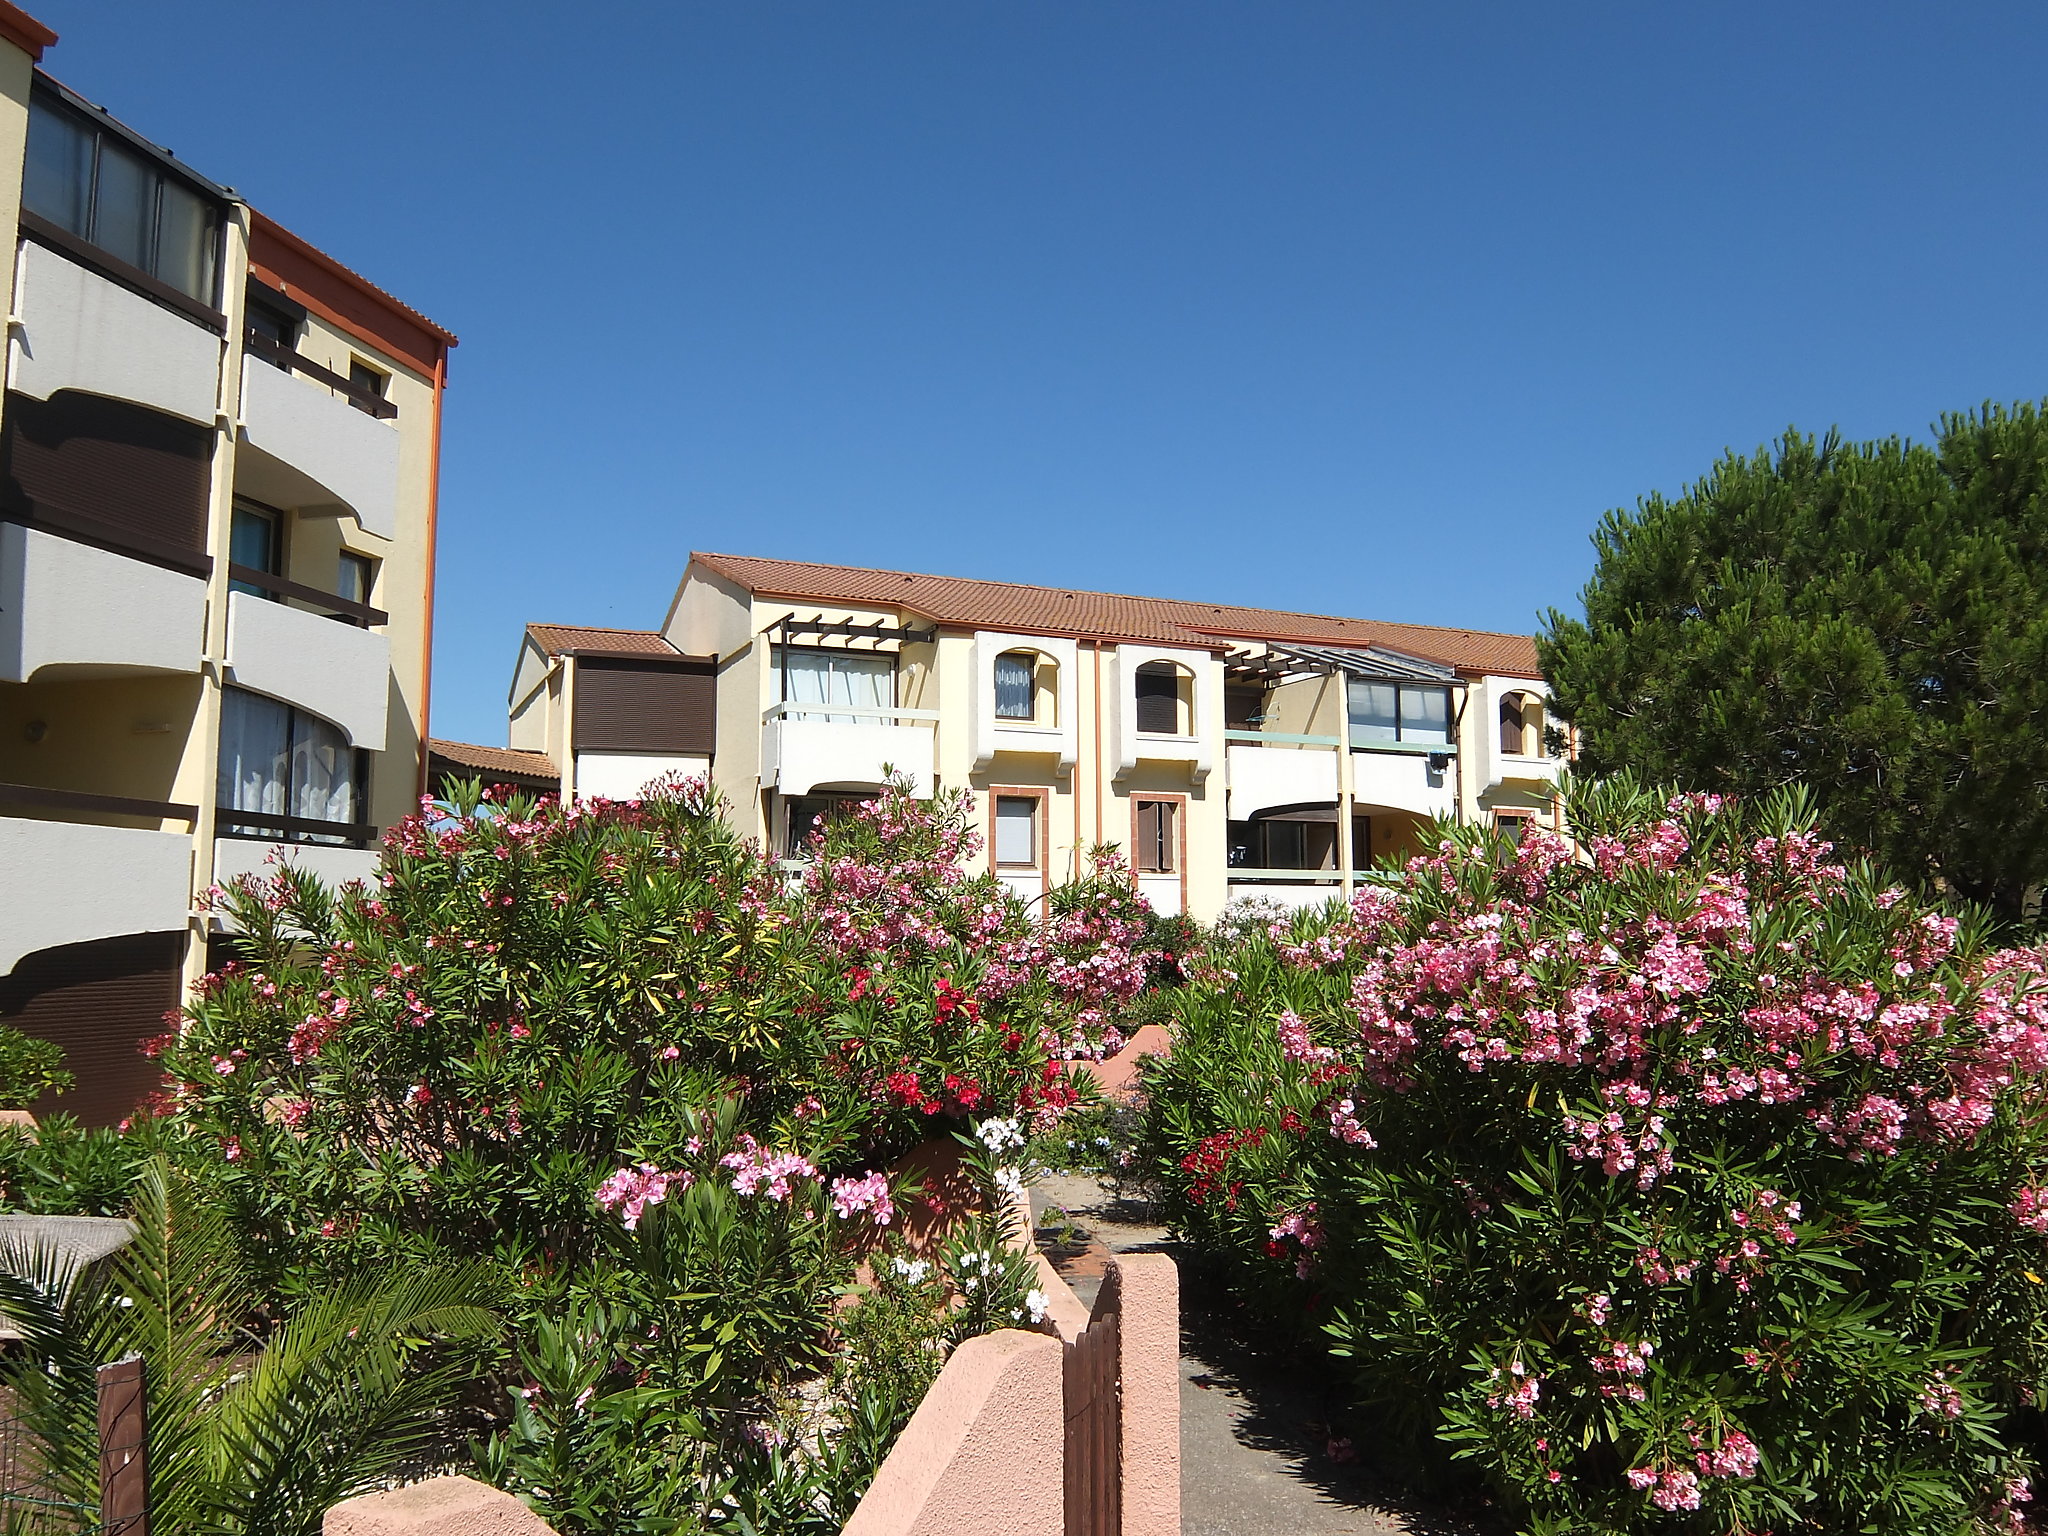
998	1135
1010	1183
1036	1305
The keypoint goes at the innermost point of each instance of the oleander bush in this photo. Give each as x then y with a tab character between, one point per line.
1689	1179
30	1067
657	1087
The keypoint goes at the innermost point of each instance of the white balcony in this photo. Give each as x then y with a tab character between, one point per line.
335	867
79	331
805	747
1528	773
1403	780
305	446
1295	889
67	609
332	669
72	882
1263	778
1163	892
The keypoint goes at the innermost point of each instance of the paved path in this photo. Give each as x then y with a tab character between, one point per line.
1255	1444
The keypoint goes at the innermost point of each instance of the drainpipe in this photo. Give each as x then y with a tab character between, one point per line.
1098	740
1345	856
433	539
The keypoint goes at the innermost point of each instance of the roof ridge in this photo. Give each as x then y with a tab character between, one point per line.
1186	602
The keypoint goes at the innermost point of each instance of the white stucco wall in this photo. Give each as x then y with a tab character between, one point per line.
1264	777
348	457
337	671
1061	737
1401	781
1163	891
65	604
1132	747
235	856
799	755
67	883
1296	897
80	331
623	775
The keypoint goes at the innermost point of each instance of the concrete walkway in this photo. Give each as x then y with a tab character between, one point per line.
1257	1458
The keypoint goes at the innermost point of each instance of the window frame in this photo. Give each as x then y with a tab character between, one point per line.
355	559
1178	806
279	522
46	96
1041	830
778	654
368	385
1401	690
1183	679
356	833
1032	660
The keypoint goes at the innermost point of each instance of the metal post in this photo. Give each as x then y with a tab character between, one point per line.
1345	857
124	1449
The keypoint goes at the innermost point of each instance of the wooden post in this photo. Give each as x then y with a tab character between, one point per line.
124	1450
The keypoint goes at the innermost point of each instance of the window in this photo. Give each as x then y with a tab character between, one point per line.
1017	686
807	814
865	679
1521	725
1017	831
1158	837
277	761
1243	708
274	326
355	576
1283	843
1399	712
256	540
366	384
1513	825
1165	699
90	182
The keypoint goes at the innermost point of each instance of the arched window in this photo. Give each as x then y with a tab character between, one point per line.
1023	687
1165	699
1521	725
1511	725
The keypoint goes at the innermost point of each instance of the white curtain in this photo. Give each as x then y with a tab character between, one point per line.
862	678
254	753
323	771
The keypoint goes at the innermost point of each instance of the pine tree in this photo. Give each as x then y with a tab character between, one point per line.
1870	619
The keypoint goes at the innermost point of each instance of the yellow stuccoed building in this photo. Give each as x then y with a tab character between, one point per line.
1221	748
216	560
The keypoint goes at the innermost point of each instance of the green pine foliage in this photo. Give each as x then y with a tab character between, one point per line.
1869	619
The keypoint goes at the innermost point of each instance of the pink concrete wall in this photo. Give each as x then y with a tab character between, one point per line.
982	1454
1148	1333
1118	1076
440	1506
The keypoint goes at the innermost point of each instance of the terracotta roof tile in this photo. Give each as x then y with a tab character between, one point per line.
969	603
464	754
557	639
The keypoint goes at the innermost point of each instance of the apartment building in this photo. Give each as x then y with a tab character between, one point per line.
1228	751
218	455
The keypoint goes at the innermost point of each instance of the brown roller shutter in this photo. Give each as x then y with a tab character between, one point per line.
1158	690
99	1001
125	468
651	706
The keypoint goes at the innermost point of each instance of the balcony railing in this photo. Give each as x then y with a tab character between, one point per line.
16	798
280	356
861	712
330	604
263	826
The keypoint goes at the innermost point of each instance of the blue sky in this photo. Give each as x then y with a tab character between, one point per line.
1356	308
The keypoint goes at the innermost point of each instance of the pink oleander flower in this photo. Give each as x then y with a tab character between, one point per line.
869	1193
630	1191
1735	1456
754	1168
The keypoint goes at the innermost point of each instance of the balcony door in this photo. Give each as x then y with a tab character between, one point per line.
861	679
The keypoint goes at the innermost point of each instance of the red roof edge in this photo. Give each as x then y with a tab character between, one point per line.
24	31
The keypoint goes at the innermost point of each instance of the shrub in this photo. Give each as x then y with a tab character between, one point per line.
62	1168
1694	1180
29	1068
617	1055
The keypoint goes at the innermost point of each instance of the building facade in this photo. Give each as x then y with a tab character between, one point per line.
1227	751
218	457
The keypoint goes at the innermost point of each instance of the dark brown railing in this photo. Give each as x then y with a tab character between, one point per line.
362	615
45	798
280	356
234	823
